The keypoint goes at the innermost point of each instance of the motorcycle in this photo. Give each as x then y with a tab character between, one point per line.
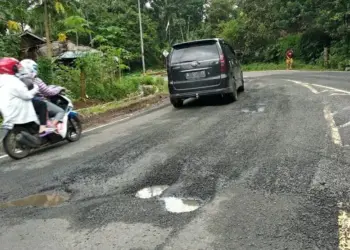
20	140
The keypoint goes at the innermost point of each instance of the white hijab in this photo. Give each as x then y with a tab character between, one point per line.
16	104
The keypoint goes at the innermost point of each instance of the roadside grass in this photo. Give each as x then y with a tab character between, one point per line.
114	106
162	89
159	83
281	66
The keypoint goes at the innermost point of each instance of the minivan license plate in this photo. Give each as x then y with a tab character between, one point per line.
195	75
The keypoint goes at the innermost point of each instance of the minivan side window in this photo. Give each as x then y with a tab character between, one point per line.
232	51
228	51
195	52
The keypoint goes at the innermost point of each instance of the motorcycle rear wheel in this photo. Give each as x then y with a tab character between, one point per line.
12	148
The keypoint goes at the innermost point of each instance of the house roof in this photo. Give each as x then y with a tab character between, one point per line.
28	33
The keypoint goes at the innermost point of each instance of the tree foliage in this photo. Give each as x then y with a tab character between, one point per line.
262	29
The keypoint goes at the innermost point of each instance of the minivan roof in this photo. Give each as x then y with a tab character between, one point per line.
197	41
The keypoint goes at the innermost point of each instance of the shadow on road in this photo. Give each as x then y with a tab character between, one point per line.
204	101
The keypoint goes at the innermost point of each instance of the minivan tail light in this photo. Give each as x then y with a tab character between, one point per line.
223	66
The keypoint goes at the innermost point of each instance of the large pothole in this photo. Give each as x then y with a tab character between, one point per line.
172	204
38	200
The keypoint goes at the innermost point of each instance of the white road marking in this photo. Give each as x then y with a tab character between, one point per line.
107	124
331	123
335	94
92	129
306	85
330	88
345	125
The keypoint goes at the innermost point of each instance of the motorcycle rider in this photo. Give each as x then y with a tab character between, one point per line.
16	105
28	73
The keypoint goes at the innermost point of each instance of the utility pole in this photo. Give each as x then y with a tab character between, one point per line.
141	38
188	27
347	23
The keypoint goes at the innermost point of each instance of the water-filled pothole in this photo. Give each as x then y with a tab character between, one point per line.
177	205
150	192
37	200
254	110
172	204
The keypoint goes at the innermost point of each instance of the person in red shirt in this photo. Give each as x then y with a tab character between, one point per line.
289	58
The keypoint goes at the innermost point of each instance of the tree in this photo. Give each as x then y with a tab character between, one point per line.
261	28
76	25
221	11
50	10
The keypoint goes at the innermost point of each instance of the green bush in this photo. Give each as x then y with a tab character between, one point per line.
102	77
9	45
290	41
312	44
338	58
45	68
69	78
101	87
159	81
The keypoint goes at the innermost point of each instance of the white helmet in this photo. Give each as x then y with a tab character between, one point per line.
28	66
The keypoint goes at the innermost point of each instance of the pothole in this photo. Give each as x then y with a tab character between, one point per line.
261	109
150	192
172	204
257	109
37	200
177	205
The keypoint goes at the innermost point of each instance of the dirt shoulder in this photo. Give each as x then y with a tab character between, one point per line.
91	119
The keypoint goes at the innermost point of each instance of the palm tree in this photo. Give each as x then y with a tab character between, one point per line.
50	8
77	25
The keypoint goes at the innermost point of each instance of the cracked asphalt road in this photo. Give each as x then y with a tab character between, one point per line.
265	169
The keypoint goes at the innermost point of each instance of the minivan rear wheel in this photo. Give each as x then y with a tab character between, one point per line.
231	97
176	102
241	88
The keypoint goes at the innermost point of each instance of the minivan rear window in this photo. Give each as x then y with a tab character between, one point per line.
195	52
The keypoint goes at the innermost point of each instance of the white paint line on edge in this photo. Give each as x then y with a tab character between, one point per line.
330	88
331	123
107	124
306	85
